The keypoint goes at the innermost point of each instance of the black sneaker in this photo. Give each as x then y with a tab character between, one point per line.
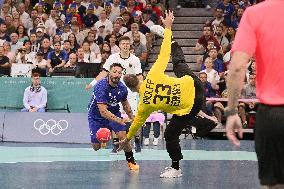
177	53
115	147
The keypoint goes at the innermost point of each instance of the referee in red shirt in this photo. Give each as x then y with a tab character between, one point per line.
260	33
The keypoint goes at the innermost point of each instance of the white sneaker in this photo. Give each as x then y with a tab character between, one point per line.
158	30
146	141
208	7
171	173
155	141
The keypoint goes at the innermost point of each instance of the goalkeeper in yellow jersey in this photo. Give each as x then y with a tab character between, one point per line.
182	96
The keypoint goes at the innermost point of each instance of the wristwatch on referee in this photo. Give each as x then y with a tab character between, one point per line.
230	112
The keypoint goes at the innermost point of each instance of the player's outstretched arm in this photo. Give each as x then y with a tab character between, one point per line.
165	52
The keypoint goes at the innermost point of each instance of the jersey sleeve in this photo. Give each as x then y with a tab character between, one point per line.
245	40
100	93
108	63
139	120
137	65
164	56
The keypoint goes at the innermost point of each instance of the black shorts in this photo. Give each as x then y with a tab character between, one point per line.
269	144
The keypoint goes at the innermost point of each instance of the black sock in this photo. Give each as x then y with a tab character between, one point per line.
115	140
175	164
129	157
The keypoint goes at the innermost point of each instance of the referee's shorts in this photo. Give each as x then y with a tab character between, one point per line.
269	144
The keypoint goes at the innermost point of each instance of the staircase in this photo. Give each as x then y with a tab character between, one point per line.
187	28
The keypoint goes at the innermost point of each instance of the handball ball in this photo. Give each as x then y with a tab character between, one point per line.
103	135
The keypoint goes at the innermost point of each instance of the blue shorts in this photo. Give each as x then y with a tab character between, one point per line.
96	124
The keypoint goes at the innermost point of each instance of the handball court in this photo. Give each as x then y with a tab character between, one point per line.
213	164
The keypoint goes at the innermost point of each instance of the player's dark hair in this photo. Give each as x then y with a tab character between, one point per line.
116	65
131	81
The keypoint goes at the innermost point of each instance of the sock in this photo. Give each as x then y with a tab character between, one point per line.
175	164
115	140
129	157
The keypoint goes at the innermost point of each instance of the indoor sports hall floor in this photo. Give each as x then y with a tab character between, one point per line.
213	164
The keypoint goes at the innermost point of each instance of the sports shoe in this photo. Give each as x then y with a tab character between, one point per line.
177	53
158	30
156	141
133	166
171	173
146	141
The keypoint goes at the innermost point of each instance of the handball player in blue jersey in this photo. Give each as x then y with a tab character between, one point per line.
104	111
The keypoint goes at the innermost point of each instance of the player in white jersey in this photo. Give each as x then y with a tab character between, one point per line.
131	65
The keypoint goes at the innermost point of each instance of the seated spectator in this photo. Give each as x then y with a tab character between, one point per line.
22	57
5	66
45	48
94	41
90	19
35	96
66	32
208	89
15	43
237	19
56	58
231	34
72	61
126	19
228	9
249	92
146	15
137	18
35	45
202	42
40	64
7	52
218	64
102	32
90	56
80	55
139	50
118	27
3	32
111	15
135	28
103	21
157	119
105	55
113	44
218	19
212	75
106	46
74	44
21	31
67	47
221	38
75	29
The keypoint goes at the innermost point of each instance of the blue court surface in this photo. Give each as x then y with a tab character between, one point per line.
213	164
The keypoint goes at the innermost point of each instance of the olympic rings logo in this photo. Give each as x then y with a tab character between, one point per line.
50	126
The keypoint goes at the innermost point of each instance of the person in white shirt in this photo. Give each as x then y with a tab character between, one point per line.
104	21
24	17
90	56
35	96
135	28
212	75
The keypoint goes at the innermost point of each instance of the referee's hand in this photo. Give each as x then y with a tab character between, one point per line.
234	124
